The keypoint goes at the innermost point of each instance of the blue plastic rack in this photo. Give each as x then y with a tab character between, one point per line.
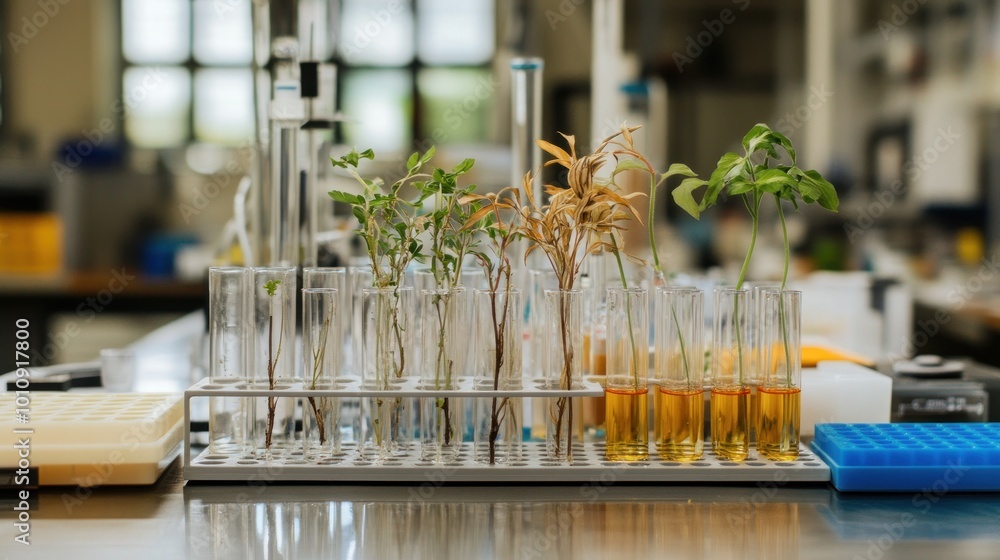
911	457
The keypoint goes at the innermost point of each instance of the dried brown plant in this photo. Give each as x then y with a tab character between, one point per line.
579	220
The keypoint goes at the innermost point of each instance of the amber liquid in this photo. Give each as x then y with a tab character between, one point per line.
730	409
593	407
778	426
627	424
679	424
754	408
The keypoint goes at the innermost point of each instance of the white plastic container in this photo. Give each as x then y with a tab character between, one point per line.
96	439
843	392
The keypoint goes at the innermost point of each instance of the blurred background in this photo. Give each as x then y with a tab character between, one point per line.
126	127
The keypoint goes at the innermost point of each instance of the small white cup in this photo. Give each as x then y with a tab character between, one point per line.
117	370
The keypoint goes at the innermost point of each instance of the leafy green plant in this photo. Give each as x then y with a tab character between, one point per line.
319	358
489	219
754	176
389	226
449	244
271	286
628	158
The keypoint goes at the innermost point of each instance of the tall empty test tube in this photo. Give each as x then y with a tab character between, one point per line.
526	121
287	116
229	349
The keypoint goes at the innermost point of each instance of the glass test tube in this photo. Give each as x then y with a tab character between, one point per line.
781	376
273	419
627	417
498	348
229	348
679	407
321	433
729	406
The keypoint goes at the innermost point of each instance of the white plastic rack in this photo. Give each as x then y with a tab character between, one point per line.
289	463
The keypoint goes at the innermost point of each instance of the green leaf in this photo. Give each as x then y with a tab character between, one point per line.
359	213
772	180
678	169
352	158
785	143
411	163
629	164
739	186
338	163
428	155
684	196
346	198
827	194
367	154
729	166
756	138
463	167
271	286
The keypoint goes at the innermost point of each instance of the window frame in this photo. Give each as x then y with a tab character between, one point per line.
192	66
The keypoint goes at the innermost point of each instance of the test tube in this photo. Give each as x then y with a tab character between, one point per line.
273	417
229	348
679	418
627	417
730	398
526	120
781	376
321	433
337	278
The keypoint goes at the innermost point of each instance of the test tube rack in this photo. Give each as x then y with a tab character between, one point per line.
288	463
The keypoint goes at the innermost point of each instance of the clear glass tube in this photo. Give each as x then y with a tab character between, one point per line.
285	194
539	281
535	354
564	338
498	420
337	277
444	351
229	351
334	277
781	375
526	128
730	370
679	407
627	392
320	370
386	357
273	418
526	119
754	328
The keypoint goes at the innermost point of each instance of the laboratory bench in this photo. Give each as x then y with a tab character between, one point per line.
172	519
600	518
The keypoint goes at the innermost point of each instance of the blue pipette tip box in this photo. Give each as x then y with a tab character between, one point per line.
911	457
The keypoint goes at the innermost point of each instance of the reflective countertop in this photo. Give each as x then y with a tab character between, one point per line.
258	520
599	519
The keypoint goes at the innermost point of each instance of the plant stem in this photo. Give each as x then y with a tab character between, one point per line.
652	214
660	280
754	212
499	329
628	313
564	403
271	402
319	356
781	298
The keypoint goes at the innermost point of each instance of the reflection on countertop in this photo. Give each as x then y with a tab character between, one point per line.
257	520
